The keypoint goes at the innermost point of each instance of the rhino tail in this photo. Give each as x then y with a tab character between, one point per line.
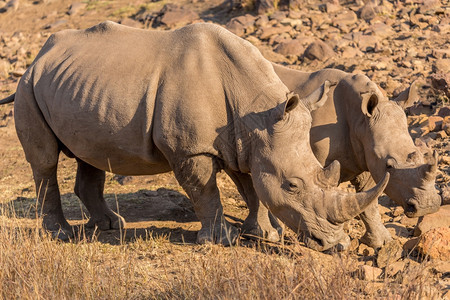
8	99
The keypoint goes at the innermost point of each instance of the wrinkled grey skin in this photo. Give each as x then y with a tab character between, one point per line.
195	100
366	132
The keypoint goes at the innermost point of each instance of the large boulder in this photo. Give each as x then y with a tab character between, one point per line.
436	244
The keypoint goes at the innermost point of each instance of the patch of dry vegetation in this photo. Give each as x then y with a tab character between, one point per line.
34	266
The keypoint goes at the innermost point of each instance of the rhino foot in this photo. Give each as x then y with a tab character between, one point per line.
377	238
223	233
257	231
58	228
107	221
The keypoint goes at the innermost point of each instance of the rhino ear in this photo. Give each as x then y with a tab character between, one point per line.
291	103
369	102
409	96
318	98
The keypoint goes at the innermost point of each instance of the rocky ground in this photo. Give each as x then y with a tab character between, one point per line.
393	42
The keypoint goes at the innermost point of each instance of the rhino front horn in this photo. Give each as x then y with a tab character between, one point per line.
344	206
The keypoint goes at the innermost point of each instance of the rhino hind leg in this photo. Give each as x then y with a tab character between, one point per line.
89	186
376	233
259	222
197	176
42	151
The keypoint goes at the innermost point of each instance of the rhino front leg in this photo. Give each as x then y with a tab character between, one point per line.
197	175
89	186
376	234
257	224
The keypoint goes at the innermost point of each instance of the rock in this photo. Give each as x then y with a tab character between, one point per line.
444	112
436	244
56	24
296	4
131	23
394	268
332	7
265	6
5	67
446	195
441	218
380	29
267	32
367	42
441	65
369	273
441	81
389	253
319	50
410	245
435	123
368	11
123	180
173	15
351	52
429	6
270	55
75	8
365	250
292	47
18	72
345	19
262	21
442	267
11	5
441	53
242	24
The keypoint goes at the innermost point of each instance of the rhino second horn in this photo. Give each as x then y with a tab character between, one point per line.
429	169
330	175
346	206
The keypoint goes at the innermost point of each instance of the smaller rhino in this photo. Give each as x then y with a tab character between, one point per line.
368	134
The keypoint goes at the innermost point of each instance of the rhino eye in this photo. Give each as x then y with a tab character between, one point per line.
293	184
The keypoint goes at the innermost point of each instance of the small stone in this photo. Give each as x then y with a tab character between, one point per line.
368	11
242	24
444	112
130	23
267	32
365	250
435	123
75	8
18	72
410	245
441	65
291	47
394	268
445	195
442	267
123	180
262	21
331	7
441	218
367	42
319	50
173	15
265	6
345	19
369	273
389	253
436	243
5	67
11	5
351	52
56	24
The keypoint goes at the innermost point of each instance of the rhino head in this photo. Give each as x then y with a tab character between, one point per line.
381	131
290	181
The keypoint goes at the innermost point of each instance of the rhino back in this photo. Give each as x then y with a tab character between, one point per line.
125	99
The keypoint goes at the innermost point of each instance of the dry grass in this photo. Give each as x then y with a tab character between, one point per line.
36	267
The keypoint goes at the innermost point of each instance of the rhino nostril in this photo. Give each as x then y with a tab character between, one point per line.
411	208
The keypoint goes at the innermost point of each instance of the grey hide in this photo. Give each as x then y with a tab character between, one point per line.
195	100
368	134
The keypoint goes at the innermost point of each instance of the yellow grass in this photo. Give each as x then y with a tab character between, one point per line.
33	266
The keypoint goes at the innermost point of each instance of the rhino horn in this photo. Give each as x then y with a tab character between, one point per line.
329	176
429	169
318	98
344	206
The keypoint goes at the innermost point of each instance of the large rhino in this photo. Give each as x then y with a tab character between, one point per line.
194	100
368	135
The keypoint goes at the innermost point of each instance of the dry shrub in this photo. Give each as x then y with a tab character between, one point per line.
34	266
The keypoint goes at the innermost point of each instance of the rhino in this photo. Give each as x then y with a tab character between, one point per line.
196	101
368	134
